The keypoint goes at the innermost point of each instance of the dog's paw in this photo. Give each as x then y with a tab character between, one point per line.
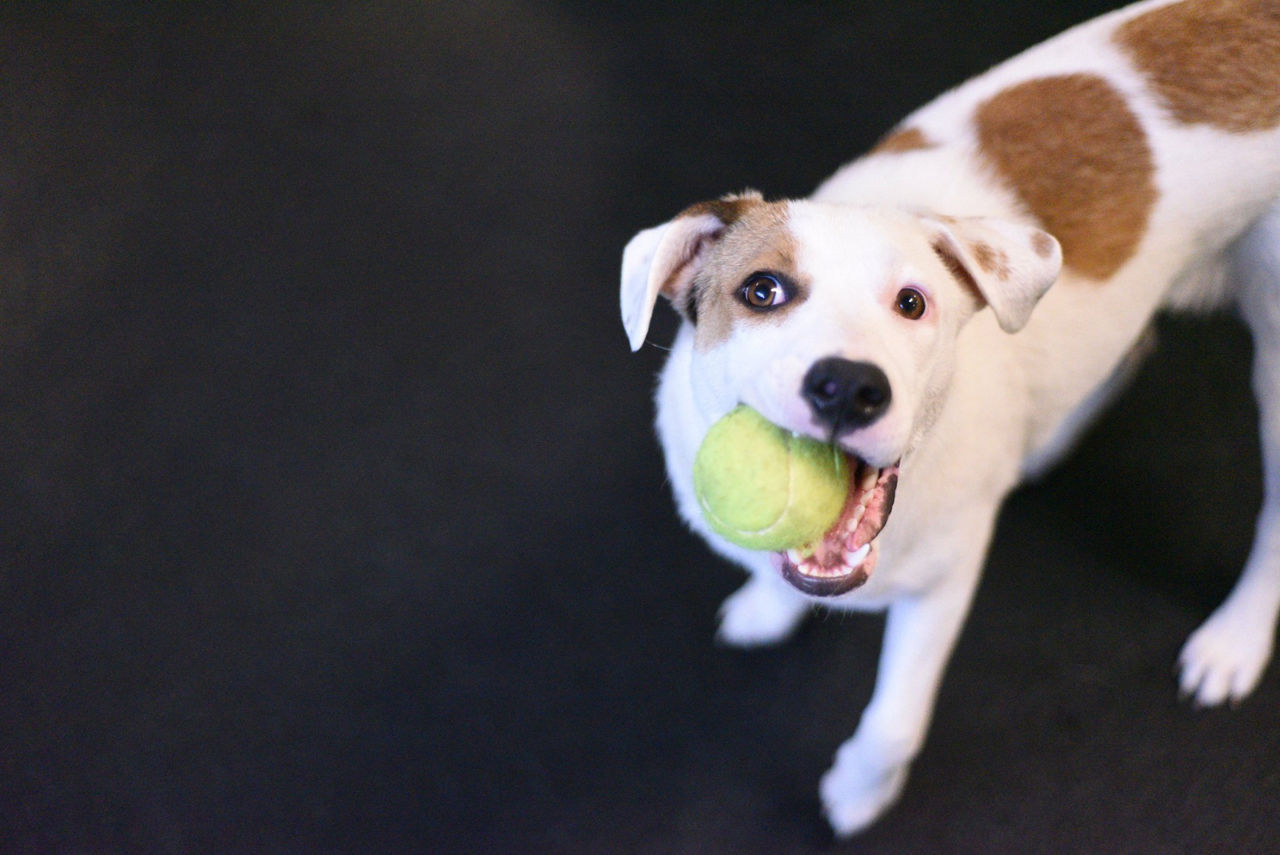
853	800
760	612
1224	659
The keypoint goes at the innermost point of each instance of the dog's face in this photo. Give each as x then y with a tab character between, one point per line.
836	322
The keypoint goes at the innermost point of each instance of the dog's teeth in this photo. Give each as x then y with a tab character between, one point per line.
853	559
869	477
794	556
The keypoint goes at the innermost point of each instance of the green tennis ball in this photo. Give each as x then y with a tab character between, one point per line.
763	487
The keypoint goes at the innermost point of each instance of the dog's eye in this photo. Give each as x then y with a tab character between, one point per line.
910	304
764	291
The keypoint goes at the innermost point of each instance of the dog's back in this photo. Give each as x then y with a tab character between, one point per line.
1146	141
1103	136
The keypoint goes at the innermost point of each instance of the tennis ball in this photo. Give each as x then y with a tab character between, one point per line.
763	487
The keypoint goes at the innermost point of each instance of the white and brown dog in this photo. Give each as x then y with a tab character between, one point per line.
1134	160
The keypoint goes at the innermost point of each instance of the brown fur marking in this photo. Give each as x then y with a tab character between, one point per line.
942	248
1077	157
991	260
758	241
1214	62
907	139
1042	244
728	210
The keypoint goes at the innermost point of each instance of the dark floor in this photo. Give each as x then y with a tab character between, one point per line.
330	515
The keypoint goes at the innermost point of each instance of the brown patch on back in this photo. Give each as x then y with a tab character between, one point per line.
1077	157
1214	62
907	139
759	240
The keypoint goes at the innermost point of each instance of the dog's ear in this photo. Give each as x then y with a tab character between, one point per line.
664	259
1009	266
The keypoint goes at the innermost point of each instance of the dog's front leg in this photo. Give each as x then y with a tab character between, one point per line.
1224	659
764	611
871	767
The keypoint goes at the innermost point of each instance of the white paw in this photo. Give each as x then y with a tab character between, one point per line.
760	612
1224	659
854	799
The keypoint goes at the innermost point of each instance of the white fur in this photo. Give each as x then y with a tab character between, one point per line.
976	409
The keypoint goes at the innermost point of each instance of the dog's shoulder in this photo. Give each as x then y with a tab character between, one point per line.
1069	131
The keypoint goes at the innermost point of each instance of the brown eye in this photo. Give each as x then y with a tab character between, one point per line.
910	304
764	291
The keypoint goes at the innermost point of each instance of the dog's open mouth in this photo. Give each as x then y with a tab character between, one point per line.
846	555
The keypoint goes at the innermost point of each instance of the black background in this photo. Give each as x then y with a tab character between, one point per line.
331	515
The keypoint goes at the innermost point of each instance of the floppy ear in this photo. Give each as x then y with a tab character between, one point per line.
1009	266
664	259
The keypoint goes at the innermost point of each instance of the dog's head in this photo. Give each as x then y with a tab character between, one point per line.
836	322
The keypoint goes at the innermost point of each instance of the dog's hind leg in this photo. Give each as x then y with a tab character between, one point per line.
1225	657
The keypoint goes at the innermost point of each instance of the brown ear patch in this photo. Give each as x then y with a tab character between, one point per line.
1214	62
907	139
1078	158
759	241
991	260
1042	244
952	262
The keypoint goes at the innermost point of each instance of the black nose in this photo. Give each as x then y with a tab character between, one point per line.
846	395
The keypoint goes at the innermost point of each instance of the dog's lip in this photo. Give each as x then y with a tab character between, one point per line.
848	579
845	557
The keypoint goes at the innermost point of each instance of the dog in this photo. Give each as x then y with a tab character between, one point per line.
905	313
